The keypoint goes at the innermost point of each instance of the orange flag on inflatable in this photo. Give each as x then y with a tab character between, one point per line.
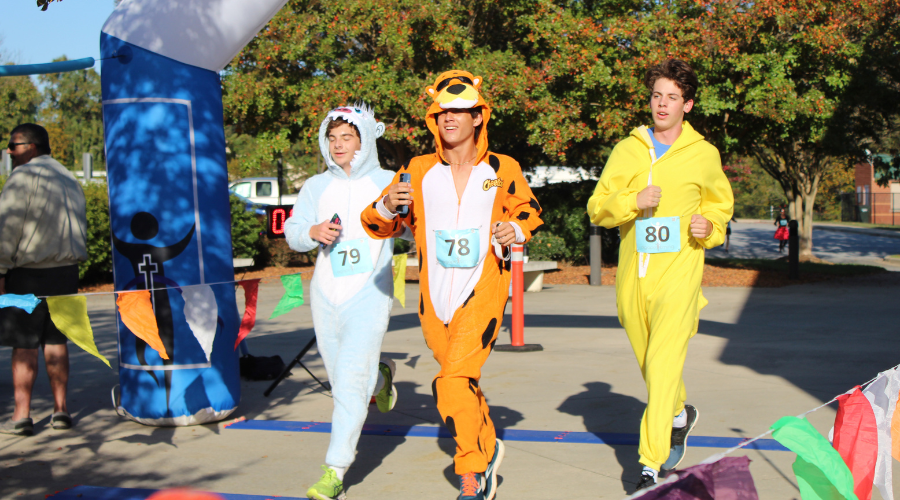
137	314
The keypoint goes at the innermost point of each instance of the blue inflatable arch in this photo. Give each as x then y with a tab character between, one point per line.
169	206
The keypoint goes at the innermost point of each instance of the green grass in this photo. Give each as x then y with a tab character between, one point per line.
781	266
865	225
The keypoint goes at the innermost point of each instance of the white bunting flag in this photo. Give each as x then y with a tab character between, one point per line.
201	313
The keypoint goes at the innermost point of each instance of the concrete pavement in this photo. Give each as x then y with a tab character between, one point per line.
760	354
833	243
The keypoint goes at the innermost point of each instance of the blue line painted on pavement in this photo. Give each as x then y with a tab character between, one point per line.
100	493
608	438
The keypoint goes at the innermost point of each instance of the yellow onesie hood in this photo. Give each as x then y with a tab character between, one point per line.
688	136
457	89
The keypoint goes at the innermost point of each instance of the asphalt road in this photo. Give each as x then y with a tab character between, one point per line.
755	240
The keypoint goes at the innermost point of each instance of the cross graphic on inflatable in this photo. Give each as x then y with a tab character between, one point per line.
148	268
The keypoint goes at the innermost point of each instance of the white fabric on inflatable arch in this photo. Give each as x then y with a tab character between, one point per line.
205	34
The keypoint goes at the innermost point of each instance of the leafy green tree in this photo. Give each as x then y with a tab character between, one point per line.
799	85
546	65
73	115
19	102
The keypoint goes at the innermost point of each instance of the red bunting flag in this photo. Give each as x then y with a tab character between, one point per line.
856	439
251	292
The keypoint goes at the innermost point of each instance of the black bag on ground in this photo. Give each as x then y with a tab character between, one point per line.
261	367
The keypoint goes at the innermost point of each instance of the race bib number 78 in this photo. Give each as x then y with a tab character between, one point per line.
457	248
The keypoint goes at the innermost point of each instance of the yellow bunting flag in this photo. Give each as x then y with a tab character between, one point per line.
137	314
69	314
400	278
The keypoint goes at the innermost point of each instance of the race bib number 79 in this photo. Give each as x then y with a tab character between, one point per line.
351	257
658	234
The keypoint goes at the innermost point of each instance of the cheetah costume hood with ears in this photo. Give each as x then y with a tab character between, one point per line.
457	89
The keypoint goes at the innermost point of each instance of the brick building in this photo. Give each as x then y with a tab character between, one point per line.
875	203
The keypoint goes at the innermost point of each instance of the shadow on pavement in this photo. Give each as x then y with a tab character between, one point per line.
604	411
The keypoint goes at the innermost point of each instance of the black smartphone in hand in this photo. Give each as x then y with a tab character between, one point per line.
403	210
334	220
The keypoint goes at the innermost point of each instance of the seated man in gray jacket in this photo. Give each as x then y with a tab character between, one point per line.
43	236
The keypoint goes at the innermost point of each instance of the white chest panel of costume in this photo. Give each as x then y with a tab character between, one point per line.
450	287
347	199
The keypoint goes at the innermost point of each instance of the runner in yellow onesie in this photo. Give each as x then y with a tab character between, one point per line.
667	215
462	236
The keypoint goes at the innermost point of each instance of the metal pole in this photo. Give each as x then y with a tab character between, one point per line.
517	334
596	255
280	178
87	164
793	251
6	164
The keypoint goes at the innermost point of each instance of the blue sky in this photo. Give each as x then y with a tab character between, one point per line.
69	27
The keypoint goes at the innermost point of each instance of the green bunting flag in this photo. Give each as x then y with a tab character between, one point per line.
293	294
820	470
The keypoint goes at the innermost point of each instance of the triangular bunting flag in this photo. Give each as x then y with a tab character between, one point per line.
25	302
400	278
251	293
856	439
201	313
136	312
895	431
727	478
882	395
293	294
69	314
821	473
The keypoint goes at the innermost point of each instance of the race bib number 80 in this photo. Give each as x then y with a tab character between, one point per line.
457	248
351	257
658	234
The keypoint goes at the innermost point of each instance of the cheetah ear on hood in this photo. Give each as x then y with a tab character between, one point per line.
476	82
431	91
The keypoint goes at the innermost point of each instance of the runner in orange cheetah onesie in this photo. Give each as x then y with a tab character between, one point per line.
462	236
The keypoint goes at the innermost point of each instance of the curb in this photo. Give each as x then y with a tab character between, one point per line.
858	230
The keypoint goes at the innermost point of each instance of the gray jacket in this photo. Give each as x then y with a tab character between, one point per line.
43	220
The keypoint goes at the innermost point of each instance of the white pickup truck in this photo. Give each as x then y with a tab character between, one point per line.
262	190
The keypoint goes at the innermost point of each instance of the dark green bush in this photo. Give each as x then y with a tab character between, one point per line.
246	226
565	218
98	266
546	246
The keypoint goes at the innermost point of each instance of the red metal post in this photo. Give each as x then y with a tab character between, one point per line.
518	305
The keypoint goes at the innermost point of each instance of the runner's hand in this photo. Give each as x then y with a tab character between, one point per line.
649	197
701	227
325	232
399	195
504	233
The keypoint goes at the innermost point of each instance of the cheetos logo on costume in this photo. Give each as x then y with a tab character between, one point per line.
492	183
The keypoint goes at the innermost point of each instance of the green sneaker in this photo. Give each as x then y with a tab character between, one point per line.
387	396
329	487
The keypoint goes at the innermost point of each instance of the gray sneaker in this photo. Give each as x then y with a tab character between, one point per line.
61	421
21	427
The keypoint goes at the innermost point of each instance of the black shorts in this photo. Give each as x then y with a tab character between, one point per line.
31	331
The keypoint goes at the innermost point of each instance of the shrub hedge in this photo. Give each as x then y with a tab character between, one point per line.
565	235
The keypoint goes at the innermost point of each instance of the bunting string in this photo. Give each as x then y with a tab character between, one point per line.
743	444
